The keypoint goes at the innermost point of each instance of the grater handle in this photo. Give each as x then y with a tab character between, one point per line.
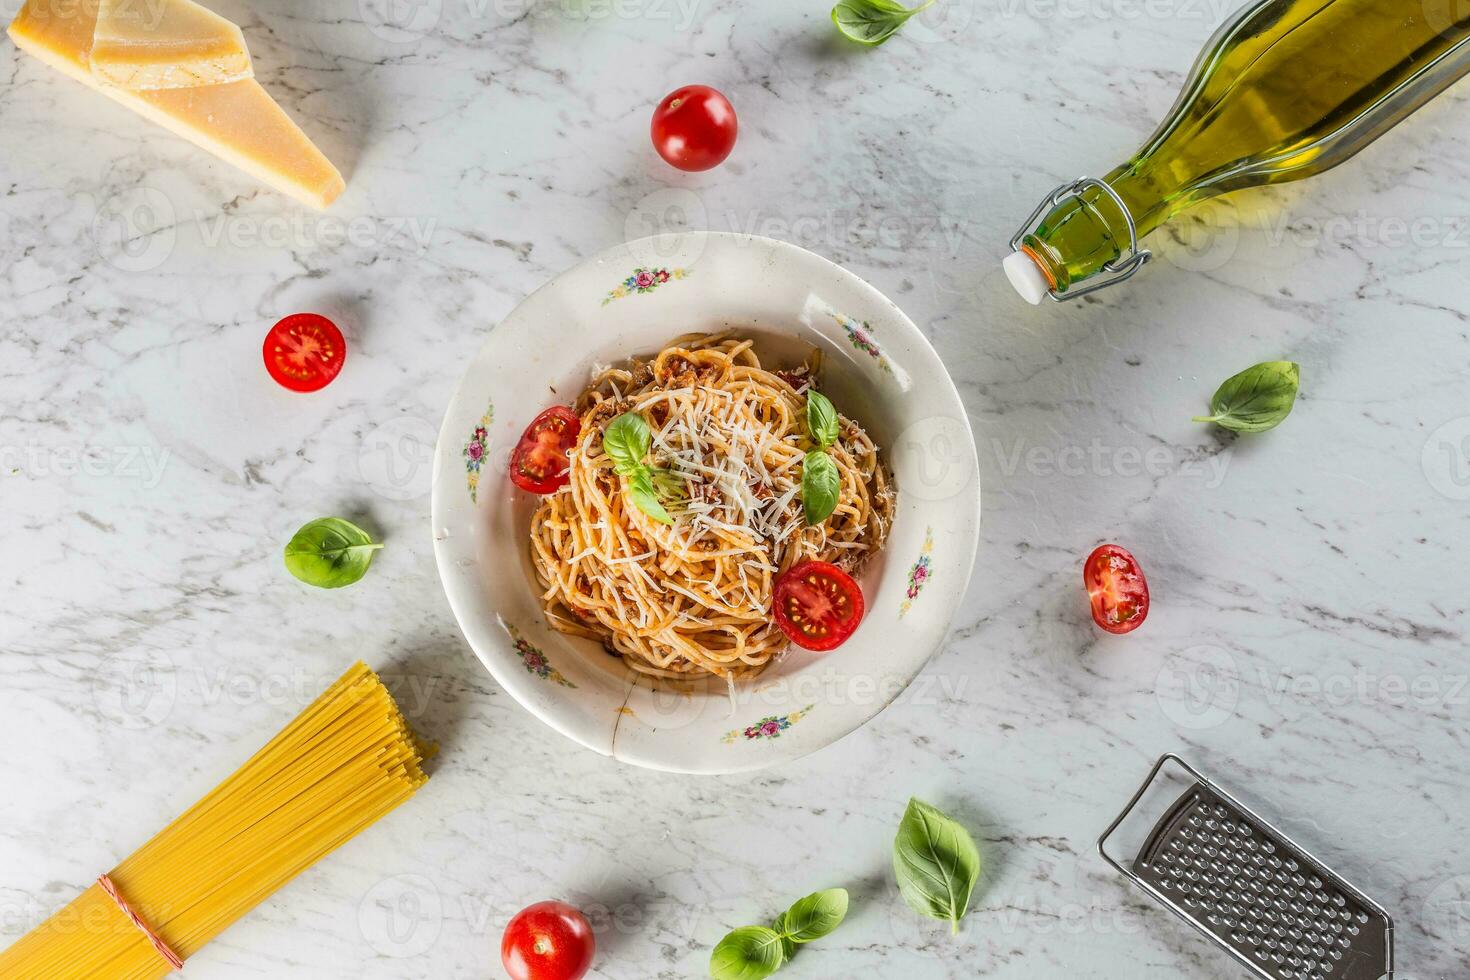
1165	759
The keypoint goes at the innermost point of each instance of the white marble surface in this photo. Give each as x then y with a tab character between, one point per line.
149	637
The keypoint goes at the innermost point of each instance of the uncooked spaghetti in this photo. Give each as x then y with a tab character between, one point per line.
693	598
345	761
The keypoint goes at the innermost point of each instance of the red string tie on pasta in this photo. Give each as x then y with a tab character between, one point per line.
174	959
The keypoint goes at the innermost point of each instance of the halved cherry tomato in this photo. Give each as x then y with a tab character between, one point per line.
548	941
817	605
694	128
539	464
1117	588
304	352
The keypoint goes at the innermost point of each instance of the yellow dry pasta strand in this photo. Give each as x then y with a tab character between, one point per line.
344	762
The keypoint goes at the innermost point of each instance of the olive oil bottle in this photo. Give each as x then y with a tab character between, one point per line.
1285	89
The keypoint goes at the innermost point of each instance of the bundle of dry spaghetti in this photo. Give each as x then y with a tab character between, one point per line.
344	762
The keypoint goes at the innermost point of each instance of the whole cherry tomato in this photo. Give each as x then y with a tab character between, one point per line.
694	128
548	941
1117	588
304	352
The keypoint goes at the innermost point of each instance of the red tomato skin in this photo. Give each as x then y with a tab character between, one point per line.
529	444
694	128
840	631
1131	579
548	941
285	337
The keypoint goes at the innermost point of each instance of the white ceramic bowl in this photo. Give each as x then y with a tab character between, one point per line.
877	368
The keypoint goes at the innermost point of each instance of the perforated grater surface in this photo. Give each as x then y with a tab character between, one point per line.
1257	894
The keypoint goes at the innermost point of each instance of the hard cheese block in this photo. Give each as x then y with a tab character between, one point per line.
236	121
151	44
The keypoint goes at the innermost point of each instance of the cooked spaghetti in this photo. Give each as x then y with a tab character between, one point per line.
693	598
344	762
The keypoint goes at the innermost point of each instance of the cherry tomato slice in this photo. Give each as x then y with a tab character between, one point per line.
304	352
1117	588
694	128
548	941
539	464
817	605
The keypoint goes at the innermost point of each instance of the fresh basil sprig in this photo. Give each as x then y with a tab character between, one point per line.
1256	399
815	916
748	953
330	552
626	441
872	22
821	486
937	863
788	945
821	419
645	496
821	483
756	952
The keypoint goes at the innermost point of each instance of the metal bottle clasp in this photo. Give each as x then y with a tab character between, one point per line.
1121	268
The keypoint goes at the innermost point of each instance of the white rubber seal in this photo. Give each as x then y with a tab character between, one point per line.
1026	276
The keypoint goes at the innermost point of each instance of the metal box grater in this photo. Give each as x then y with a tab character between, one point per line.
1225	870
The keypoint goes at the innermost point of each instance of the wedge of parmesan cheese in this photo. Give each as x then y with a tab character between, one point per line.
236	121
161	44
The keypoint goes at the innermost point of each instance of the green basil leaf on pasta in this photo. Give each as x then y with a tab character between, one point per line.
1256	399
668	485
872	22
936	862
644	496
821	419
815	916
626	440
748	953
821	486
330	552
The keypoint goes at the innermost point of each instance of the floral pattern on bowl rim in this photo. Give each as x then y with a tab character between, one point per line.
919	574
769	727
533	659
477	449
644	280
860	334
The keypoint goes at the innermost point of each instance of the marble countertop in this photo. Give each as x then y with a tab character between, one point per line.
1307	641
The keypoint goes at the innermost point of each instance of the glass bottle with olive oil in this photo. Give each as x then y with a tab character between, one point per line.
1285	89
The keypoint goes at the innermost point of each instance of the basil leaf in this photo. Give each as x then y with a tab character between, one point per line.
749	953
626	440
815	916
788	945
821	486
668	485
330	552
872	22
937	863
1256	399
641	492
821	419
